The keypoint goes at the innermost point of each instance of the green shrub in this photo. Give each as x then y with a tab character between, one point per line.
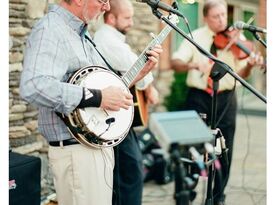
176	99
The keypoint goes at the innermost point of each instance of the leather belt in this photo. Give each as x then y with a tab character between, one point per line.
63	142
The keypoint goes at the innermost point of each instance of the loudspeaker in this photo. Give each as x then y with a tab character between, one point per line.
24	179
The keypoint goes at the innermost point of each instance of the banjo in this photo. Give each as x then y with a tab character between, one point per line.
97	127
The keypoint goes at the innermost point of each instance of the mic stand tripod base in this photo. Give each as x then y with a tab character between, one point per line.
211	174
181	188
216	74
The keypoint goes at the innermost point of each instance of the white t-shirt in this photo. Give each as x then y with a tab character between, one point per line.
112	44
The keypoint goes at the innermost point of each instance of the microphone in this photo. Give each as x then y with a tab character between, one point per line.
244	26
158	4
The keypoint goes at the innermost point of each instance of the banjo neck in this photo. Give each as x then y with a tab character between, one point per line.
132	73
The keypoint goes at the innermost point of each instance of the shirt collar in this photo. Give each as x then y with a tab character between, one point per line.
212	33
73	21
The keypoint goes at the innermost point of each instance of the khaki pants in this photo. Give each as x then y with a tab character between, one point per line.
82	176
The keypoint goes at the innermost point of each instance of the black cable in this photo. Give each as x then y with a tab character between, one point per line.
247	149
105	162
228	104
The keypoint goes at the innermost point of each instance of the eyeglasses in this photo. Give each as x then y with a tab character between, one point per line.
104	2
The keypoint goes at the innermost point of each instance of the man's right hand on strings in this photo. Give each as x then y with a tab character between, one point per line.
114	98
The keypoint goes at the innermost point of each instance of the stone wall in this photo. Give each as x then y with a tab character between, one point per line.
23	134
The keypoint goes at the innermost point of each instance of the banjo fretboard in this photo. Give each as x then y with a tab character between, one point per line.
132	73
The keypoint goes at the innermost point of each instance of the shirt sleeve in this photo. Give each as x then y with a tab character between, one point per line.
119	55
45	65
123	58
184	52
145	82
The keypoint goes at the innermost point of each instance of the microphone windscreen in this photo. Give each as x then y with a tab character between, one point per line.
239	25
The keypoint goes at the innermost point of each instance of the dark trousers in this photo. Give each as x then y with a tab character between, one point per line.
201	101
128	172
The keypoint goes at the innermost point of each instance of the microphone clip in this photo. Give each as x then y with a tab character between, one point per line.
175	5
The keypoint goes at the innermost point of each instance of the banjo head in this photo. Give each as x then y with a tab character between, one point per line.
99	127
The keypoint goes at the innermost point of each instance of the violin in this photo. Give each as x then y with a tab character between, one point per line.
229	39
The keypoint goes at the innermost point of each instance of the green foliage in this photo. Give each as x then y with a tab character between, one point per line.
175	100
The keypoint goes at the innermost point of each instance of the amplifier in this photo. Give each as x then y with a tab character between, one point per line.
180	127
24	179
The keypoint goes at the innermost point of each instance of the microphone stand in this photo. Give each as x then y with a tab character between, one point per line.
182	194
216	74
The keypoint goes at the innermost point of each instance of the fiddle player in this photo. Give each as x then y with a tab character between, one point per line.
188	59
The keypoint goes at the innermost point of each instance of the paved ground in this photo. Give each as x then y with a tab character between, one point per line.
247	184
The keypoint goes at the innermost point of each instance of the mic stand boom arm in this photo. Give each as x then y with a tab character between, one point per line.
257	36
226	68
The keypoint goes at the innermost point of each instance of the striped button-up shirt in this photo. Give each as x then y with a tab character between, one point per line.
55	49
